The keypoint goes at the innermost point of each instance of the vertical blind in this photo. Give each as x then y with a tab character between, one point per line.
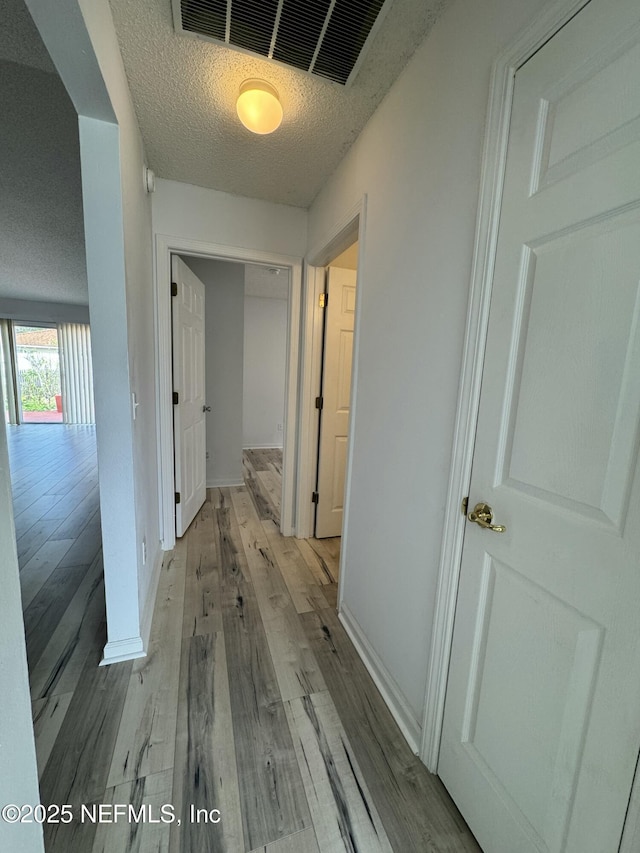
74	341
6	371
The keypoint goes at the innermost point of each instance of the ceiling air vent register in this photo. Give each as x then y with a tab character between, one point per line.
323	37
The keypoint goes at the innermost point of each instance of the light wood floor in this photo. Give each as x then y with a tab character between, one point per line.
263	478
251	699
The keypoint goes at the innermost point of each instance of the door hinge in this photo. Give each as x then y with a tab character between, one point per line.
319	402
174	288
177	497
464	507
176	398
324	300
314	497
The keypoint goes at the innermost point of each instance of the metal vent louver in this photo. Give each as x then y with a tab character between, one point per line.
322	37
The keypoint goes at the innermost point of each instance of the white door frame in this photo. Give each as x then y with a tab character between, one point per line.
513	57
350	228
165	246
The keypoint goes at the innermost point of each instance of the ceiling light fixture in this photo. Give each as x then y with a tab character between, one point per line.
259	108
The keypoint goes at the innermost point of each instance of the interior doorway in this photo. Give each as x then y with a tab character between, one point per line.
266	298
251	326
229	336
334	401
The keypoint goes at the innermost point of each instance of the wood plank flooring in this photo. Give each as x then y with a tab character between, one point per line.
263	479
54	480
252	719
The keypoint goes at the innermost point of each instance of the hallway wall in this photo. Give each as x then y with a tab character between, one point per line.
81	38
198	219
196	213
44	312
18	771
265	358
418	160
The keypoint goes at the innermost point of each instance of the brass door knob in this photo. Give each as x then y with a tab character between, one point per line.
482	514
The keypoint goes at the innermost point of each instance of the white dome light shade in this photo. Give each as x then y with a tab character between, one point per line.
259	108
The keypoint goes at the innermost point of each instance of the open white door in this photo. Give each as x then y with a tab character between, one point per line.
336	393
188	384
542	717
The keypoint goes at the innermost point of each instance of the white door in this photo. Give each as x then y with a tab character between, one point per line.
336	392
542	717
188	383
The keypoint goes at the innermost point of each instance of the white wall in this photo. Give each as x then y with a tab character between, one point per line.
139	299
418	160
130	297
81	39
265	356
43	312
18	771
224	322
182	210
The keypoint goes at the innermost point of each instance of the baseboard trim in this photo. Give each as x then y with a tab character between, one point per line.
150	603
121	650
389	690
223	483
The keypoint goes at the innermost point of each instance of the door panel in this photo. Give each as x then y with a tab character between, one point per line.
580	120
576	347
560	650
336	393
542	716
188	381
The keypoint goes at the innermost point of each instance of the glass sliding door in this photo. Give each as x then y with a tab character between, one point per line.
38	373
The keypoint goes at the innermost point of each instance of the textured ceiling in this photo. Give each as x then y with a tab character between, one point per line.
19	39
267	282
41	224
184	90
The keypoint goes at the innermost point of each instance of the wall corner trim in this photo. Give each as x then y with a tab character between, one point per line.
389	690
522	48
121	650
340	236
